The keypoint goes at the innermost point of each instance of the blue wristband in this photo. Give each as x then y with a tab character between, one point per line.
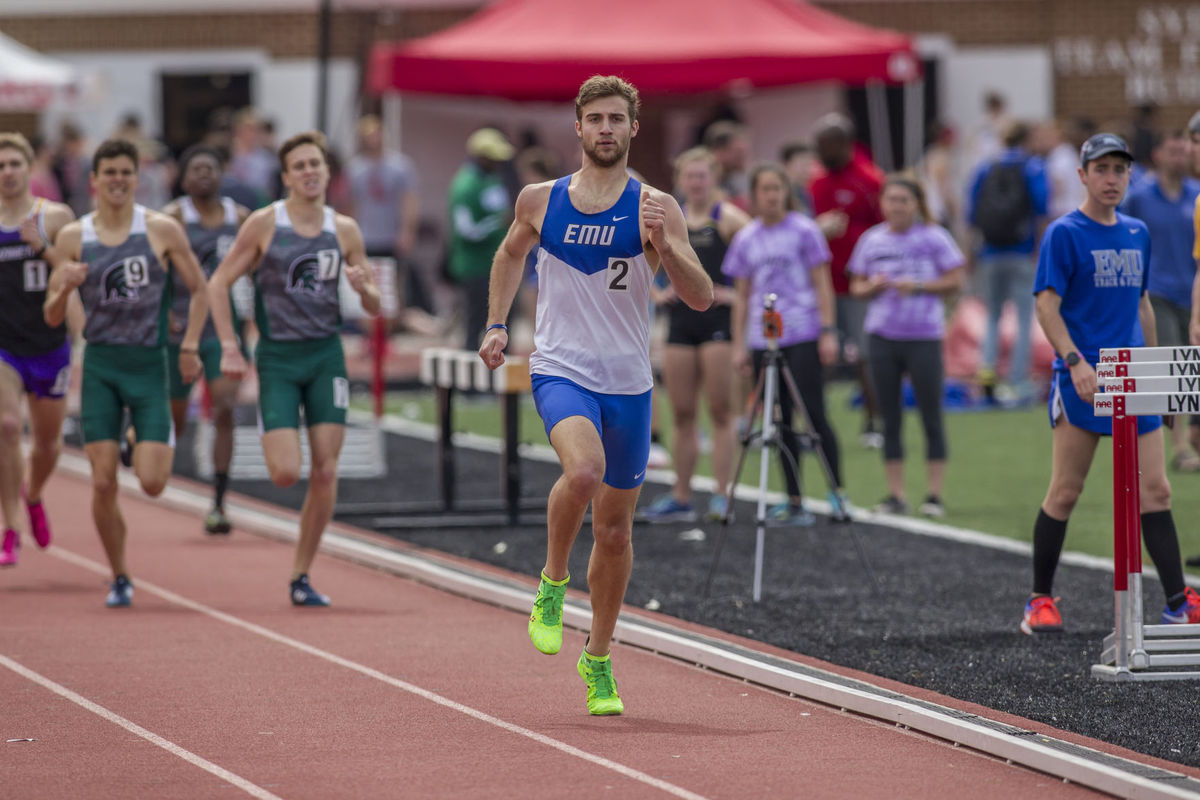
496	325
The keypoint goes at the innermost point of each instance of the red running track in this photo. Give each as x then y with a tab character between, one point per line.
213	686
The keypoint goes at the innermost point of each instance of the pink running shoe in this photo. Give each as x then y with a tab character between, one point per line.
38	523
8	551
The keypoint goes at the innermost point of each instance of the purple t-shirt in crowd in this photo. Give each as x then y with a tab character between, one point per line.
922	253
778	258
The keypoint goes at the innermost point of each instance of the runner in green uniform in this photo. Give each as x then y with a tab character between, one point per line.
116	258
295	249
211	222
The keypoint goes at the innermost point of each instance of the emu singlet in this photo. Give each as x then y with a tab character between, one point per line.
125	291
593	318
210	246
296	283
23	279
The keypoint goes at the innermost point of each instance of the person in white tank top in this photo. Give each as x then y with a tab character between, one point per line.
591	369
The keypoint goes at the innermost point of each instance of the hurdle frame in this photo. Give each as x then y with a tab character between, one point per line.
448	371
1139	382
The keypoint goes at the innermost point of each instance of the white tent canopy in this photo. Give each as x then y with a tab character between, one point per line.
30	80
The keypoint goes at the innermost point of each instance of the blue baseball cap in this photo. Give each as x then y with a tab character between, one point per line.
1103	144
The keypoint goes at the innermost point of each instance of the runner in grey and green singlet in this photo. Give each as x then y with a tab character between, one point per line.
125	362
115	261
210	245
211	223
300	359
297	282
295	251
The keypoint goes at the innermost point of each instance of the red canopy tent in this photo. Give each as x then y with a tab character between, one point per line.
543	49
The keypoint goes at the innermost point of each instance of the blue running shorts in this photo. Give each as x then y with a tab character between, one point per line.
45	375
1065	400
622	420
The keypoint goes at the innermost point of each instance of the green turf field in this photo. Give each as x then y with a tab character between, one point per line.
996	477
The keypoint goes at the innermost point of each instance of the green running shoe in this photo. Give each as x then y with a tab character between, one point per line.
545	622
602	697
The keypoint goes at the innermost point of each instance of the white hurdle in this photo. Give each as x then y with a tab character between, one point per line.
1138	382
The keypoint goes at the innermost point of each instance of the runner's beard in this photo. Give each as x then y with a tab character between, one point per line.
622	147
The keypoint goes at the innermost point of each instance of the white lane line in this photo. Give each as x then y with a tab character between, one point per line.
172	748
267	633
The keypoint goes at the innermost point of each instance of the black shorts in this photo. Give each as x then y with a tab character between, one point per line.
692	328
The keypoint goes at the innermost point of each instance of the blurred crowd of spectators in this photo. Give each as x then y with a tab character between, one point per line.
988	192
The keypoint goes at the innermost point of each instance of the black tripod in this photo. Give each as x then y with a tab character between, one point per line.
766	394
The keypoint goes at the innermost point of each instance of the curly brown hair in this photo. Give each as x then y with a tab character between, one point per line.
599	86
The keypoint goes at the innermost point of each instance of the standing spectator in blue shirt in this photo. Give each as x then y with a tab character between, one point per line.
1007	206
1166	200
1091	293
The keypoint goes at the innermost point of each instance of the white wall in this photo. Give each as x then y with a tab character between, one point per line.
1024	75
286	91
118	83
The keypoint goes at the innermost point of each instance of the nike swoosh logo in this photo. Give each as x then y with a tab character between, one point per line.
618	219
1133	230
640	474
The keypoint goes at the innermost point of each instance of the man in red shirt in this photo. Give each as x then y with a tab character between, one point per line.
845	204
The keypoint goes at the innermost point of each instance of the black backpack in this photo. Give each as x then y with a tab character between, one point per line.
1004	208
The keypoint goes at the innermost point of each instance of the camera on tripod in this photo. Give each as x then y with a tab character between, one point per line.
775	376
772	320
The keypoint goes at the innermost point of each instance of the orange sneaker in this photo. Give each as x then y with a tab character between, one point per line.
1041	615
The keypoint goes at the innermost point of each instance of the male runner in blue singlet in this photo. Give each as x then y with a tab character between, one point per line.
602	236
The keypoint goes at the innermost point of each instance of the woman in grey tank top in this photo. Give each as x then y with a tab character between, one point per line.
296	250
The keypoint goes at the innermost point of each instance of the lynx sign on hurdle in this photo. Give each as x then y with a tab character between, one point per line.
1137	382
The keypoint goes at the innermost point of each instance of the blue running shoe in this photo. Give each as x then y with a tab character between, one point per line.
717	508
665	508
1187	613
790	514
303	594
120	594
839	506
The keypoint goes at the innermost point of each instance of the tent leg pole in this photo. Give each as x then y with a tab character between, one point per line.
877	118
